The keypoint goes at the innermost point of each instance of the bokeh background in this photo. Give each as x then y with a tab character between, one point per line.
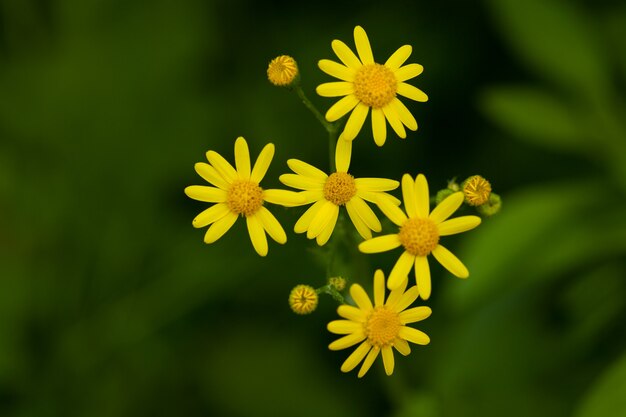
111	305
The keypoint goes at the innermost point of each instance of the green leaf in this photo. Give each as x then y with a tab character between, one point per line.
556	40
534	116
606	397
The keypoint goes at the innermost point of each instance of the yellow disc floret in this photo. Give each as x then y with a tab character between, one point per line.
419	236
477	190
282	70
339	188
244	197
375	85
382	327
303	299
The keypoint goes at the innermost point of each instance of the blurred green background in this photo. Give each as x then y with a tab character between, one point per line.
111	305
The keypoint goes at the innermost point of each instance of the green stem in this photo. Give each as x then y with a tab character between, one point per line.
305	100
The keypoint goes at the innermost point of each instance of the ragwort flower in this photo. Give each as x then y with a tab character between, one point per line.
367	85
330	192
237	193
419	234
378	327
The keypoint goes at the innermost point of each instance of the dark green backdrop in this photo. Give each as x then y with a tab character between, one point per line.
111	305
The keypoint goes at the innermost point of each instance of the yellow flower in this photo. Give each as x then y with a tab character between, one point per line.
237	193
330	192
366	84
419	234
282	71
378	327
477	190
303	299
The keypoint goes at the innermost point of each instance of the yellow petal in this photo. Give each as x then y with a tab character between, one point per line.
222	166
306	170
422	276
345	54
335	69
341	108
402	346
347	341
344	326
388	361
379	288
262	163
242	158
271	225
206	194
356	357
394	120
369	360
407	299
324	235
366	214
458	225
400	271
304	222
335	89
404	114
379	126
257	234
376	196
423	197
361	298
392	211
210	174
376	184
380	244
321	219
284	197
210	215
409	91
408	71
351	313
359	224
396	295
355	121
343	154
414	335
415	314
450	262
363	46
409	196
398	58
302	183
217	229
447	207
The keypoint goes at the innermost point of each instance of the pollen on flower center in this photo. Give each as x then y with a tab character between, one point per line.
419	236
375	85
382	327
339	188
476	190
244	197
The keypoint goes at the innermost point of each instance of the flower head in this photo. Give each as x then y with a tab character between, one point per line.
303	299
331	192
282	71
378	327
338	283
419	233
367	85
236	193
476	190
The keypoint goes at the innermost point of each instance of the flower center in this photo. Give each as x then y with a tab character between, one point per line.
477	190
282	70
382	327
339	188
244	197
375	85
419	236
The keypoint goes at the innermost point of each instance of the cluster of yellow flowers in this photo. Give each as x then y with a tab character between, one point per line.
235	192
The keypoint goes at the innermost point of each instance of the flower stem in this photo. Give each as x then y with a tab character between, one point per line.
307	103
